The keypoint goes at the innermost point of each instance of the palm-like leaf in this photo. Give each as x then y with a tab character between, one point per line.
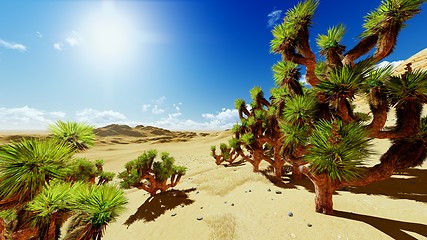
391	14
410	86
338	149
294	135
96	207
26	166
346	81
331	40
300	109
79	135
285	70
297	18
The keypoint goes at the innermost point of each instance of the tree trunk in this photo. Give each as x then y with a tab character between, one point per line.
2	229
296	173
324	189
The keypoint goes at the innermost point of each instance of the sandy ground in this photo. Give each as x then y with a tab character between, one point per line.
236	203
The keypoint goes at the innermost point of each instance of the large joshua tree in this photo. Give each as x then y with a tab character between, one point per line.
318	132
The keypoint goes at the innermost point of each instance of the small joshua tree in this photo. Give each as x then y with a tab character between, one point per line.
228	152
150	175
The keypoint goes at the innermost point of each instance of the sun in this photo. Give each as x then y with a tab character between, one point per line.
109	36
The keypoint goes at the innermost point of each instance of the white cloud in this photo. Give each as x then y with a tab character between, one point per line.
100	118
26	118
394	64
58	46
273	17
159	101
157	110
72	41
145	107
39	34
12	45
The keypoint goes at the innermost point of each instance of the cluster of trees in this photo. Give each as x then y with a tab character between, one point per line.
315	129
42	185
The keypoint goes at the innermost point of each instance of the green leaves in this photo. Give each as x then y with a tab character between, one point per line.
300	109
410	86
332	39
78	135
338	149
285	70
296	19
391	14
27	165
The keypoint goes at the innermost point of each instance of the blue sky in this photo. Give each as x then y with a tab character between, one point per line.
173	64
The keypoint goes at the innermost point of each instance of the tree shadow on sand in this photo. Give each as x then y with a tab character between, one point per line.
407	184
155	206
390	227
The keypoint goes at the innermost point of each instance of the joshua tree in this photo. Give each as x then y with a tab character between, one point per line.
78	135
38	183
152	176
95	207
228	153
319	133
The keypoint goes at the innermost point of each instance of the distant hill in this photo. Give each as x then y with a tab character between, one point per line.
419	61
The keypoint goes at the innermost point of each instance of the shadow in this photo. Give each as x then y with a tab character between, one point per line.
155	206
412	187
390	227
236	164
286	182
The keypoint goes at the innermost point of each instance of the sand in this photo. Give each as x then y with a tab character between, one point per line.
236	203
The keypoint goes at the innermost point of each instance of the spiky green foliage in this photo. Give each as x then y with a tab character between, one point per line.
234	142
338	149
8	215
239	103
83	169
256	93
294	135
106	177
411	86
78	135
296	19
96	207
344	82
53	198
248	138
332	39
379	76
285	70
300	109
320	70
391	14
145	167
26	166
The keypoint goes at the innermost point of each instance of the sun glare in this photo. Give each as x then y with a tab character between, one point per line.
109	37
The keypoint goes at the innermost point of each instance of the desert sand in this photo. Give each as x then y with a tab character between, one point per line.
236	203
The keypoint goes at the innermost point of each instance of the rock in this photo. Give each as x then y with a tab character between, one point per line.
292	235
201	207
278	192
250	190
269	190
309	225
200	218
232	204
290	214
173	214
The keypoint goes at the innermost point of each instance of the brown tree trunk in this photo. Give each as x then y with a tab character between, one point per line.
296	173
2	229
324	189
25	234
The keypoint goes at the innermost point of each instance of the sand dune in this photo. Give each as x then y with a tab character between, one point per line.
235	203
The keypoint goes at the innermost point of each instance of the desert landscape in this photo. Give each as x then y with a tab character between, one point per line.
217	202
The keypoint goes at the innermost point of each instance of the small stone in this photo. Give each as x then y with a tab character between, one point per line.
200	218
201	207
292	235
232	204
225	202
246	191
309	225
173	214
250	190
269	190
278	192
197	192
290	214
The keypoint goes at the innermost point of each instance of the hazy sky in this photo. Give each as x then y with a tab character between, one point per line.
173	64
